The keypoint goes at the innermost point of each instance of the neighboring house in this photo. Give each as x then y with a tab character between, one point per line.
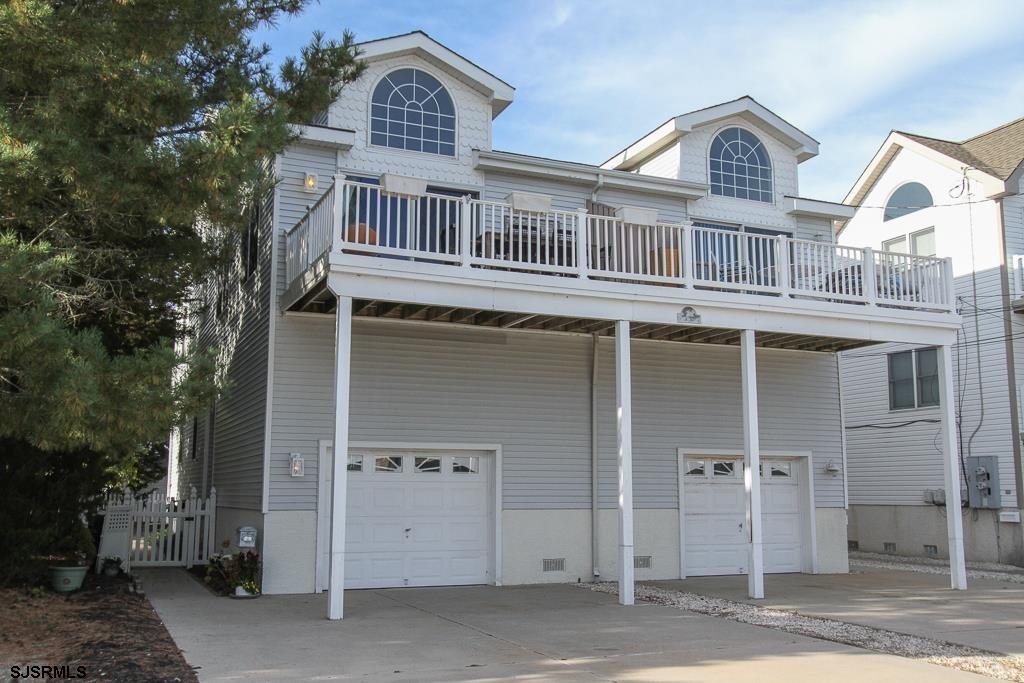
539	370
964	201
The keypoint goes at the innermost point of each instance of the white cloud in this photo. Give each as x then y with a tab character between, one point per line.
592	76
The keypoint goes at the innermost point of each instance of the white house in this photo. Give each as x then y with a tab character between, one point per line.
963	201
534	370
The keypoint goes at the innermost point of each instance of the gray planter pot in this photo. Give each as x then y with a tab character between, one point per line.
67	579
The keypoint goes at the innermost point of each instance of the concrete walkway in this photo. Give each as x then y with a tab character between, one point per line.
988	615
539	633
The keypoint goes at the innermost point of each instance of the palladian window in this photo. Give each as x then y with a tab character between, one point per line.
411	110
740	166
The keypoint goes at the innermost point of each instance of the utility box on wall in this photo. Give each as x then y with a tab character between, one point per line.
983	482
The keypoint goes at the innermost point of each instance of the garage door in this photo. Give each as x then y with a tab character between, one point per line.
715	535
414	519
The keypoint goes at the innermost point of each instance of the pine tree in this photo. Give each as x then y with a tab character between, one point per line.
125	127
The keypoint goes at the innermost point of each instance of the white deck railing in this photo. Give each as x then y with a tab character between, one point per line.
363	219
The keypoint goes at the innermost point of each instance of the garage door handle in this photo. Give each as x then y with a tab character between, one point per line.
408	530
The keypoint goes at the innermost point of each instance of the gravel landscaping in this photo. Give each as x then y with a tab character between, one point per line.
927	565
965	658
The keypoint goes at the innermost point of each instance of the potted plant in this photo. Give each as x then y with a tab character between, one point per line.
246	575
235	575
74	553
111	565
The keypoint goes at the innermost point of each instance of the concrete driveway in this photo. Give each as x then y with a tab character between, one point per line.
539	633
989	615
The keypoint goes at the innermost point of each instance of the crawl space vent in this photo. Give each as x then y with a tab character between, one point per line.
931	550
642	562
554	564
889	547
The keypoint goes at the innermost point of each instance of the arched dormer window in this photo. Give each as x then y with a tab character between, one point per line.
907	198
740	166
412	110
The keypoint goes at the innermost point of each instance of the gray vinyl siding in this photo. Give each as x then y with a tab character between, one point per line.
530	393
895	466
292	199
241	339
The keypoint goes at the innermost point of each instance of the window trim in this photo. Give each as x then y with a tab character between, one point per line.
453	158
915	378
771	161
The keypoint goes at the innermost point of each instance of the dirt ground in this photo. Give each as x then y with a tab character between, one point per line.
113	634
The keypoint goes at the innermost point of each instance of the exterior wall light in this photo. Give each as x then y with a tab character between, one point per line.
832	468
298	465
310	182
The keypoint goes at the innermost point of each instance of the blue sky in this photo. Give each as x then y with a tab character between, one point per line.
592	76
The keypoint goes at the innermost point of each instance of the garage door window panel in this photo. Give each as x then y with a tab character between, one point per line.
388	463
355	463
469	464
724	468
428	465
695	468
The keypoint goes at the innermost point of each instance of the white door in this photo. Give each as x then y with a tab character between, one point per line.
416	518
714	531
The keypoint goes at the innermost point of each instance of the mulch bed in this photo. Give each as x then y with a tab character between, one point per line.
114	634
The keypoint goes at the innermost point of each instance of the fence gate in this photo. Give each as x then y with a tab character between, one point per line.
157	531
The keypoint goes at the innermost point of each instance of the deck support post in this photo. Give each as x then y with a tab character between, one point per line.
624	431
752	466
951	469
339	480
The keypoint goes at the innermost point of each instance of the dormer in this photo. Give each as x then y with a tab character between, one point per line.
419	109
745	154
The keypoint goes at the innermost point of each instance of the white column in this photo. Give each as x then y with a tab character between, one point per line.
951	468
339	480
751	466
624	430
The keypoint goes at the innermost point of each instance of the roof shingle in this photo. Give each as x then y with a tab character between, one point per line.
998	152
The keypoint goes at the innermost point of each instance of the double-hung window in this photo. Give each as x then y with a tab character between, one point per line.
913	379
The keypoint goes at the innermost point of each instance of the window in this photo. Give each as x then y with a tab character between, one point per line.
740	167
695	468
922	243
780	469
913	379
896	244
723	468
251	242
907	198
388	463
355	463
466	465
428	464
411	110
195	437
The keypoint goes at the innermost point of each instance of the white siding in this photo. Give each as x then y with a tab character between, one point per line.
665	163
694	167
895	466
472	122
530	393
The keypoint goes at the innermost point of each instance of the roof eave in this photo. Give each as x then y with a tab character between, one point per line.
567	171
496	90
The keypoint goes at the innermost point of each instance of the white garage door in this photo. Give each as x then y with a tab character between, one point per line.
714	532
414	519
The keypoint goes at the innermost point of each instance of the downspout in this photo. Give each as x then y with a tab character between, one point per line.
1011	374
595	512
597	188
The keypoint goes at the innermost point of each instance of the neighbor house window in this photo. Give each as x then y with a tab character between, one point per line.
907	198
411	110
913	379
921	243
739	166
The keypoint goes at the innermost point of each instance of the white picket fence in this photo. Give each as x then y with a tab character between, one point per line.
157	531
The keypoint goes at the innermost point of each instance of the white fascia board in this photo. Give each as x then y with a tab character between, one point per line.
802	144
325	136
430	284
992	185
568	171
498	91
816	208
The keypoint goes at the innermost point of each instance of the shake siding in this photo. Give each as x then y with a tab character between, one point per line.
895	466
530	393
